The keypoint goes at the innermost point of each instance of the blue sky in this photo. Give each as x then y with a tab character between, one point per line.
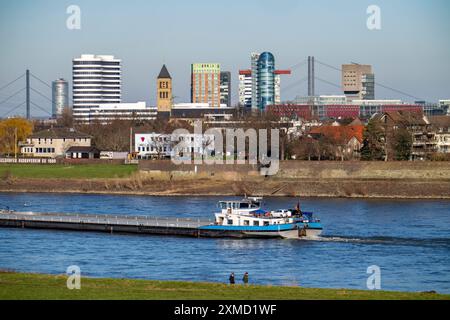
411	52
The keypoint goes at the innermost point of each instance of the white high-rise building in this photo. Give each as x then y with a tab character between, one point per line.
254	56
245	88
277	88
96	80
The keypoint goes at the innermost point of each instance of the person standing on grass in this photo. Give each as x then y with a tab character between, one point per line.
232	278
245	278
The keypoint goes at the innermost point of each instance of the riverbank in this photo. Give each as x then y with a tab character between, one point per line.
24	286
296	178
137	185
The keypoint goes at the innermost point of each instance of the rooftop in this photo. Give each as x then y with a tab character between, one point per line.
83	149
59	133
340	134
440	121
164	73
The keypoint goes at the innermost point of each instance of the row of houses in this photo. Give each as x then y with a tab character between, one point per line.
69	143
429	135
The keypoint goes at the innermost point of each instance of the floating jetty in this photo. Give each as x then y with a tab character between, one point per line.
108	223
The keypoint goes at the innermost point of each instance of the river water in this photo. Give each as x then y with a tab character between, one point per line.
408	239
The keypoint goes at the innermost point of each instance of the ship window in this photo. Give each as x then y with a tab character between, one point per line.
230	221
222	205
266	223
246	223
243	205
256	223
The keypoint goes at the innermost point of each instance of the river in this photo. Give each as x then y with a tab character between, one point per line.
408	239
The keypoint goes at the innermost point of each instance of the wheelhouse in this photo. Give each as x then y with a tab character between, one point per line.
245	204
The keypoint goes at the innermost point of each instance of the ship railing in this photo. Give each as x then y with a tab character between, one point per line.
113	220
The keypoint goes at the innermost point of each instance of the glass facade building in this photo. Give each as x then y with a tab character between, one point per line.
60	97
225	88
266	80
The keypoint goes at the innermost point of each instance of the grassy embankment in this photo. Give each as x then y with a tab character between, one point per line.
412	180
39	286
60	171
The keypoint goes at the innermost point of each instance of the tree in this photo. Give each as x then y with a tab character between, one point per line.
305	148
402	144
114	136
8	138
66	119
373	141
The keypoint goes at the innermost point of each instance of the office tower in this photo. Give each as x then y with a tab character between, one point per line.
266	80
358	81
205	83
278	74
164	92
96	80
368	86
254	56
60	97
225	88
245	88
261	85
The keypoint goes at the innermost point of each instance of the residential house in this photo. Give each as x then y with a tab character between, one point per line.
346	140
441	126
417	124
54	142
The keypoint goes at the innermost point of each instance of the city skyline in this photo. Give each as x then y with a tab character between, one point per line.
403	54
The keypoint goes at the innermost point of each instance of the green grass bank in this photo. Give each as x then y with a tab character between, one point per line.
66	171
39	286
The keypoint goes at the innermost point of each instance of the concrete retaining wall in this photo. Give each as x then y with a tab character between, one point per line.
315	169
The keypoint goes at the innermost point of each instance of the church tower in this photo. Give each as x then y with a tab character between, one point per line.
164	92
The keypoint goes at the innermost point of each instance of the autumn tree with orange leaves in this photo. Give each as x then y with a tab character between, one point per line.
8	133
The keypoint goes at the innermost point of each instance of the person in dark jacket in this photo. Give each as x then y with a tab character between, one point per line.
245	278
232	278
